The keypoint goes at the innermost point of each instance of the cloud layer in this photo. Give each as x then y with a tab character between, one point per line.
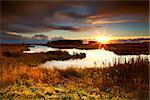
39	16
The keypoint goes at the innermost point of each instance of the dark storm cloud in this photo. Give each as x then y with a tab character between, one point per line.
38	16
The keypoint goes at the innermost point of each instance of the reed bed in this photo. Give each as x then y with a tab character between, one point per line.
123	81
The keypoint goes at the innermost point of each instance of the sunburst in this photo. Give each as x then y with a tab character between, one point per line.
103	40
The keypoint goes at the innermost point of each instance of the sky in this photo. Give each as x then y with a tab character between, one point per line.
76	19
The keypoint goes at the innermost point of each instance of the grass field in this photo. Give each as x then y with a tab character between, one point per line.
120	49
129	48
20	80
13	55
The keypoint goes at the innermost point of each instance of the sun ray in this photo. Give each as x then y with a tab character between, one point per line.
102	39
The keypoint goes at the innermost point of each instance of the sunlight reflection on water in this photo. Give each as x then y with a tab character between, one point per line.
94	58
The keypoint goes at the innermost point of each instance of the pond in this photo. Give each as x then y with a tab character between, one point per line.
94	57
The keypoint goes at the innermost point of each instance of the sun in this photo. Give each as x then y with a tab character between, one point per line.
103	40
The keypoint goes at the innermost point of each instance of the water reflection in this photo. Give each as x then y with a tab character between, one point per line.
94	58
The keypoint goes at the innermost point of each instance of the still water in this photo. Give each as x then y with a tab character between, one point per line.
94	58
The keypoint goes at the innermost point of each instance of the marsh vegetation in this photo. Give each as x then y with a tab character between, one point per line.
22	79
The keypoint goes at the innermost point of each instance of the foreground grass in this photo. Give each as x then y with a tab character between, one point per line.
122	81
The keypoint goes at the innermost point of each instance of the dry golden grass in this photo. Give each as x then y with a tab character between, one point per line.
118	80
123	81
